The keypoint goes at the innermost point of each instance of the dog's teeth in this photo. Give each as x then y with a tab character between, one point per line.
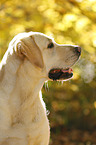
70	70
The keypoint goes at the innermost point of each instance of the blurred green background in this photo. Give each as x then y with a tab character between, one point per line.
71	104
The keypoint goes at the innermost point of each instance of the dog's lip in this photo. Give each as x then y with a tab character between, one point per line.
60	73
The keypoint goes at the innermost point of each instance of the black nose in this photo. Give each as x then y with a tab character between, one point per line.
78	50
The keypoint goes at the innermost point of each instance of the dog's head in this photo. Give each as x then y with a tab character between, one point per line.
43	52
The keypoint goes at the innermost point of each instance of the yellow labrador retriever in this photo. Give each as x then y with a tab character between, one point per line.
31	59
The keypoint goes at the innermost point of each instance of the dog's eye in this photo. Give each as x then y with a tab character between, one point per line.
50	45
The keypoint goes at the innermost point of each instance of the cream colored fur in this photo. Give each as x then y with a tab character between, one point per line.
23	71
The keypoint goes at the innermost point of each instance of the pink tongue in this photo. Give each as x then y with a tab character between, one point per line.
68	70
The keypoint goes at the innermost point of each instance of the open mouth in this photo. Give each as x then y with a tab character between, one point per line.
60	74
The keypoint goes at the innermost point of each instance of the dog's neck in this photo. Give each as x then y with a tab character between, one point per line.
26	80
30	79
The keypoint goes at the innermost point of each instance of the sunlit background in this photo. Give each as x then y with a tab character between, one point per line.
71	105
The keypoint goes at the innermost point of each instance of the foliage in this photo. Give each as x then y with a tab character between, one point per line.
72	103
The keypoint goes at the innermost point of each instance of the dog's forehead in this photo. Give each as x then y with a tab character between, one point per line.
41	39
40	35
37	35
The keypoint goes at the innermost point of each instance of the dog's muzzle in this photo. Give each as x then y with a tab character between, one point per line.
63	74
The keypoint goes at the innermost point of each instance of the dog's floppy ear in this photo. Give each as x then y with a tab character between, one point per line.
27	47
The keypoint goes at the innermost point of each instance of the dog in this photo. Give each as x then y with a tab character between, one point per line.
31	59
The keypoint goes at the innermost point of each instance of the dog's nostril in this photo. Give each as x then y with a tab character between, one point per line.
78	49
